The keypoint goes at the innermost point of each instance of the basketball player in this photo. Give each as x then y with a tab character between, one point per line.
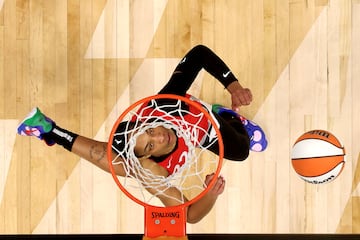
155	146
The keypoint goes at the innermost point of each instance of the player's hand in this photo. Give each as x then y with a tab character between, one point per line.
218	187
239	96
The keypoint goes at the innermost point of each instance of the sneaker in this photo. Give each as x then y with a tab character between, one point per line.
36	124
258	142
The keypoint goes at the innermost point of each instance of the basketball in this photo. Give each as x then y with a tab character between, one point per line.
318	157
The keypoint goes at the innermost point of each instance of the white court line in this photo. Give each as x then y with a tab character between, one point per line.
7	141
113	37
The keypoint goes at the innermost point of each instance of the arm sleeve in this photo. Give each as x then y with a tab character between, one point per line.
198	58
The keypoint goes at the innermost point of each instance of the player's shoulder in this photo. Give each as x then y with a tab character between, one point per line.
154	167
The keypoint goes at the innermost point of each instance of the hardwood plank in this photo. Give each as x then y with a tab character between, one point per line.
22	17
298	57
2	75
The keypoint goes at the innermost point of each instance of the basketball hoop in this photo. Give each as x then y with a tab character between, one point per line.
196	130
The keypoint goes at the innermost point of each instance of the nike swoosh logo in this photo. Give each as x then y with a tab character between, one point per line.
117	141
226	74
183	60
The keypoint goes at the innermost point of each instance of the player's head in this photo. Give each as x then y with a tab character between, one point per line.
153	142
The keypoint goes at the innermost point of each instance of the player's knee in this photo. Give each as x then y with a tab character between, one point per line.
238	156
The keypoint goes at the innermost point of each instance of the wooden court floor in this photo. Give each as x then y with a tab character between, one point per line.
83	61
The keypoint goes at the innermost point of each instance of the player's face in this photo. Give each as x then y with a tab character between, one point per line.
156	142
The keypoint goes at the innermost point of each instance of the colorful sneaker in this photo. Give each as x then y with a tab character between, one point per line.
258	142
36	124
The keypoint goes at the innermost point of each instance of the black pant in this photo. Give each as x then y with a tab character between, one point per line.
235	138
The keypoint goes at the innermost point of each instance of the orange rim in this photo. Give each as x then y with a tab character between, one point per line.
164	96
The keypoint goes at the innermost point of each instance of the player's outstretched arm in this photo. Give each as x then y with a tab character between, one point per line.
171	195
96	153
201	57
202	207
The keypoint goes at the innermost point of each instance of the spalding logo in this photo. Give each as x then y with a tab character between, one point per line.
165	214
319	182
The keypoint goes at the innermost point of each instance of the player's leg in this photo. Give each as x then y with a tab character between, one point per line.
258	141
38	125
236	143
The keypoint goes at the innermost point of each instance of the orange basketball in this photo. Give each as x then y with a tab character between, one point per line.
318	156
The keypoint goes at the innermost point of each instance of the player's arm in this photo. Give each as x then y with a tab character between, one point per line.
172	195
239	96
202	207
201	57
96	153
198	58
197	210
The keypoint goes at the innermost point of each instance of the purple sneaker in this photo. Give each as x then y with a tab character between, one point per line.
258	142
36	124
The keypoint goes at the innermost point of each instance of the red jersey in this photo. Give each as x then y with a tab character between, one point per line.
193	120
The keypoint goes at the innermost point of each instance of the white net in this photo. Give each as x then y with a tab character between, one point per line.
193	161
